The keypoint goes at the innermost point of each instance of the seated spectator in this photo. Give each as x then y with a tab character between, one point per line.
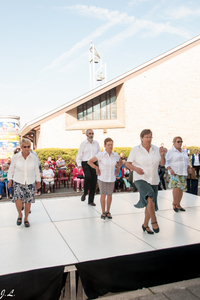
17	150
79	178
4	181
122	156
51	163
8	161
119	182
48	177
125	176
60	163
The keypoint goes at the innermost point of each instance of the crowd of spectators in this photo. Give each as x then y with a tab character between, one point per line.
124	180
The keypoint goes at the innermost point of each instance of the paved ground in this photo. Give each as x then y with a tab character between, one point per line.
183	290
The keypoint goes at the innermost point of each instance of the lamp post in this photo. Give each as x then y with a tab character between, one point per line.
100	74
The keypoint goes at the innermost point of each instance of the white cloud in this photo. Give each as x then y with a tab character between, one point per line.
112	18
136	2
84	42
101	13
182	12
147	28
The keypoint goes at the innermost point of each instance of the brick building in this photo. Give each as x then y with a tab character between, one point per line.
161	94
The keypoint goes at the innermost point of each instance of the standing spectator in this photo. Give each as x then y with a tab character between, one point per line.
4	181
163	146
161	173
144	160
88	149
79	178
178	165
60	163
186	150
37	191
196	161
106	174
23	172
51	163
48	177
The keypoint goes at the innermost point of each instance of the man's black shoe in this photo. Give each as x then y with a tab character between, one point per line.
92	204
83	197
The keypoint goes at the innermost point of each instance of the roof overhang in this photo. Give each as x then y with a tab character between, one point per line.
109	85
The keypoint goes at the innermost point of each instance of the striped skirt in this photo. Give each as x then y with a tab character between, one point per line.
106	188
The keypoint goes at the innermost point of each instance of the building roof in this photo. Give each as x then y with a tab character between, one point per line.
34	124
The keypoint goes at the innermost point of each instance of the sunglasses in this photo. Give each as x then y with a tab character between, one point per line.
91	133
26	146
179	141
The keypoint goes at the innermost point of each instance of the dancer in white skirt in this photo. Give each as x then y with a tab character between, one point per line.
109	163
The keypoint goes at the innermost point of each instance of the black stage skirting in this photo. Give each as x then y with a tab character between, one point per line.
117	274
43	284
132	272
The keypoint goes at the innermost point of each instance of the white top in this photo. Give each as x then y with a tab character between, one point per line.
178	161
107	165
87	151
48	173
147	161
24	171
196	160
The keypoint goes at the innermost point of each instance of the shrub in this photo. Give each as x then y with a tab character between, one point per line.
125	150
192	148
68	154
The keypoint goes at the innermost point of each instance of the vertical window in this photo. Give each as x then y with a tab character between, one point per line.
89	110
96	109
100	108
113	106
84	111
108	105
80	113
103	107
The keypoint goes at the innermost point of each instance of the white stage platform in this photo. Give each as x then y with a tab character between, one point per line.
66	231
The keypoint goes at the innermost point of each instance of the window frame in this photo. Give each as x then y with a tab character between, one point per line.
106	97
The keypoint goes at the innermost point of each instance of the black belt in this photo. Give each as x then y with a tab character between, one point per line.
85	161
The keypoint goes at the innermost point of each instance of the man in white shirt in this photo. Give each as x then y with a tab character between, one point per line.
88	149
196	161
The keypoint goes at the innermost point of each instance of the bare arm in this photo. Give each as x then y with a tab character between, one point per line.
162	154
118	166
133	168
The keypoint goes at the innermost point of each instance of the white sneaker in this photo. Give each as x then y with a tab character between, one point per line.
77	190
48	191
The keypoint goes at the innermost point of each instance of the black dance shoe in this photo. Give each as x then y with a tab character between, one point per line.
156	230
175	207
148	231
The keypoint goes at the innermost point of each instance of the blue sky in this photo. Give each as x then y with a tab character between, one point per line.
44	45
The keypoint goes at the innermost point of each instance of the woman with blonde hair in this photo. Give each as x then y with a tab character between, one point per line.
23	173
107	161
178	165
